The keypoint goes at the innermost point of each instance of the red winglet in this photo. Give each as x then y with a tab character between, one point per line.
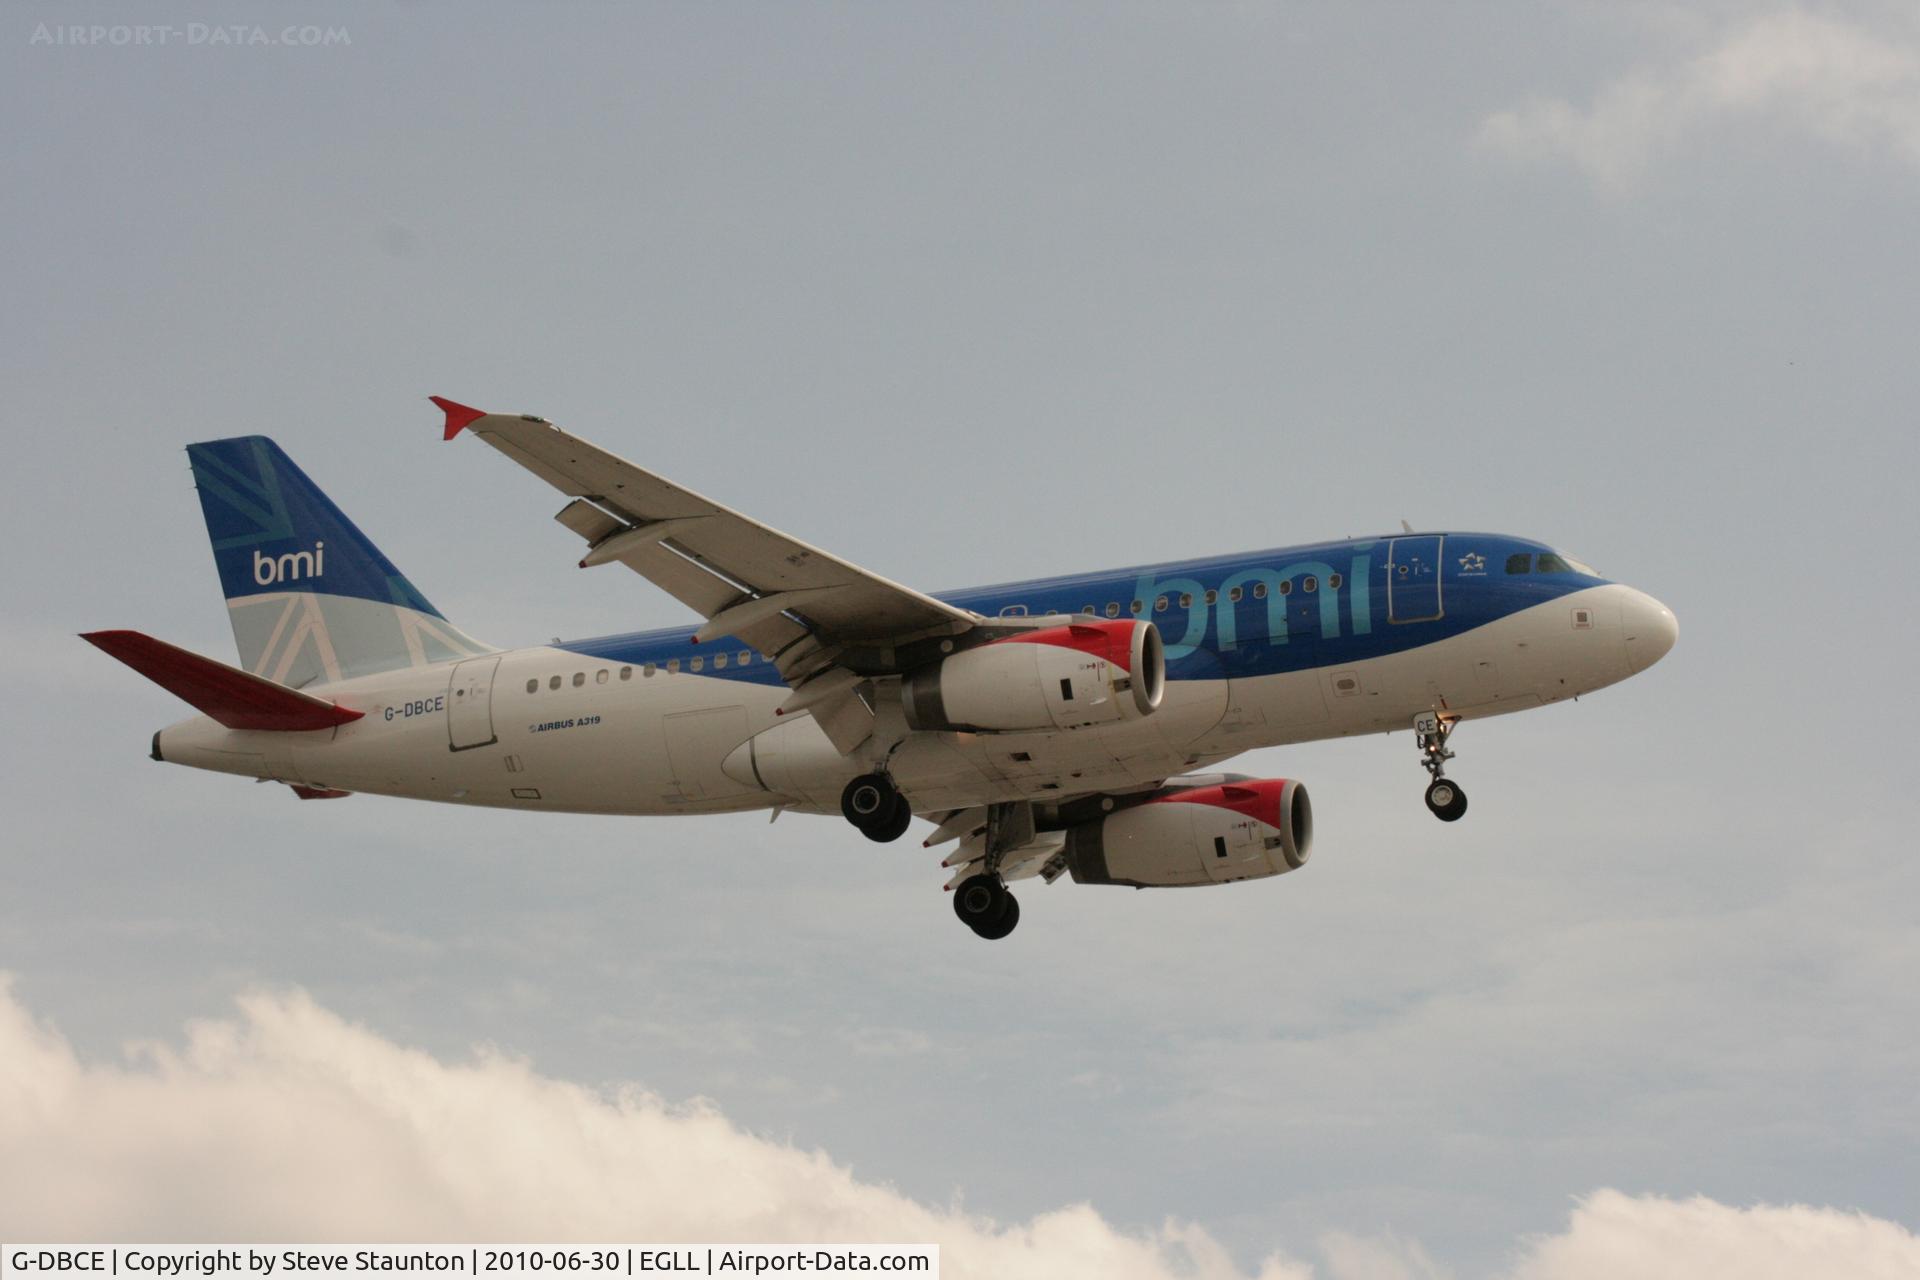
237	699
459	416
318	793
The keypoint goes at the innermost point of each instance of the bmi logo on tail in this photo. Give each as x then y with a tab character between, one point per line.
291	567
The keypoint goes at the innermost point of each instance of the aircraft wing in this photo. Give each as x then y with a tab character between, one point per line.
798	605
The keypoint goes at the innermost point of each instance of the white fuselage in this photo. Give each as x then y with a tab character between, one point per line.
613	738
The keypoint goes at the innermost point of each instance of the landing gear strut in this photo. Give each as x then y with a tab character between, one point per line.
1445	799
873	804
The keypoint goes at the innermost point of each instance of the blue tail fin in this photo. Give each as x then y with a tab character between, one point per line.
310	597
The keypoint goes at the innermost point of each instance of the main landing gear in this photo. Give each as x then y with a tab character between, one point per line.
873	804
981	900
1445	799
984	906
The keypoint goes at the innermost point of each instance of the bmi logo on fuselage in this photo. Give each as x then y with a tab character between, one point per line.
291	567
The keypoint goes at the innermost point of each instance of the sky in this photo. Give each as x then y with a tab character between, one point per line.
969	294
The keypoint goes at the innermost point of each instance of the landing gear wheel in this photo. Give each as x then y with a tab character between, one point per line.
1446	800
1010	918
895	826
983	904
868	800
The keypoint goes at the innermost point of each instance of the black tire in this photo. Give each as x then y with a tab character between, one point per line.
867	801
980	901
1004	926
896	824
1446	800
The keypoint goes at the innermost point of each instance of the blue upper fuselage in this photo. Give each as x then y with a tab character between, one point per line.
1253	614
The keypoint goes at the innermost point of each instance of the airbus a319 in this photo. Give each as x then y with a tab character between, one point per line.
1067	726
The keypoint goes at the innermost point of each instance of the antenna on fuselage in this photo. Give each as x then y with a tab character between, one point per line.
1405	527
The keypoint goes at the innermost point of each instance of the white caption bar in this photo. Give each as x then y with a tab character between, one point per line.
312	1261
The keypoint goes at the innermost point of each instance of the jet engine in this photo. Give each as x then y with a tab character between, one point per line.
1086	673
1203	835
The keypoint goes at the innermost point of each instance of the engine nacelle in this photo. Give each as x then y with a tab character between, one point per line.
1205	835
1093	672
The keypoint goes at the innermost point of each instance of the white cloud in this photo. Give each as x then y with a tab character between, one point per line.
290	1123
1824	76
1615	1235
1386	1258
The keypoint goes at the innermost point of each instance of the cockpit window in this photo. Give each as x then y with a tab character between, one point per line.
1519	563
1551	563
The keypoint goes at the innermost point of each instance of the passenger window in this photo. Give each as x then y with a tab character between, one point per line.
648	670
1310	584
1135	607
1550	563
746	656
1333	582
600	676
579	678
533	685
1186	599
1286	588
554	683
1014	611
673	666
1234	595
1213	597
1259	591
1088	609
626	673
719	662
1159	604
1518	563
1113	609
698	664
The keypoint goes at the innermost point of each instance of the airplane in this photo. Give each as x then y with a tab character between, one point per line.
1066	726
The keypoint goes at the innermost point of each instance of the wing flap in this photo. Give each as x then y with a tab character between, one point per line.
1019	864
587	520
846	719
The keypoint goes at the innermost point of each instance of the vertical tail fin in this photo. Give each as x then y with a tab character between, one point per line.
310	597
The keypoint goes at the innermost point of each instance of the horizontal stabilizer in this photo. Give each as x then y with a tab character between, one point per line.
229	695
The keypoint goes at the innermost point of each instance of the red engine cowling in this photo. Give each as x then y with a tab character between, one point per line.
1093	672
1206	835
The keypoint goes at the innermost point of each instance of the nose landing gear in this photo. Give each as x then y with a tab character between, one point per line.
874	805
1445	800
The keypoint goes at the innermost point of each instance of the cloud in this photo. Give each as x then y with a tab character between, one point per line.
1614	1235
291	1123
1823	76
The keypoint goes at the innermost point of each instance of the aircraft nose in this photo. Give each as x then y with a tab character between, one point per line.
1648	627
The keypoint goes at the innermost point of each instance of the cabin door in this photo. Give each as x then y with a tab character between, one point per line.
1413	579
470	704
